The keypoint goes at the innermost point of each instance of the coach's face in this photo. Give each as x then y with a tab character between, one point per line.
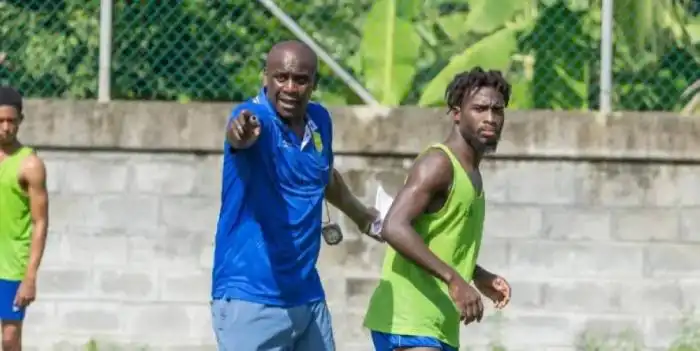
290	79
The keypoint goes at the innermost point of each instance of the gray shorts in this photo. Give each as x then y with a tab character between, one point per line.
246	326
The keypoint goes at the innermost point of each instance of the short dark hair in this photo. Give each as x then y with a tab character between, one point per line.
11	97
466	82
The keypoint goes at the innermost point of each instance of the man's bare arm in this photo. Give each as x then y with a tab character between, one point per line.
429	176
339	195
480	273
34	176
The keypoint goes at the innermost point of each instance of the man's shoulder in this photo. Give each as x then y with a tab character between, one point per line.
433	158
29	159
431	169
317	107
33	168
319	113
32	160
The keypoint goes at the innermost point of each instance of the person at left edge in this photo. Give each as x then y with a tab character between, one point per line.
277	169
24	203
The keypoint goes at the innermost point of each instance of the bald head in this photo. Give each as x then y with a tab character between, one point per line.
290	78
291	54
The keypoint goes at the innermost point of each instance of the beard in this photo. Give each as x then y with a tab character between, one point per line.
491	145
482	145
7	140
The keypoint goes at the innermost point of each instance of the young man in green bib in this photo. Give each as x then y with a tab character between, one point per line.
434	230
23	220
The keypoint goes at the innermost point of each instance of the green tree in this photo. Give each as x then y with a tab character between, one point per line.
197	49
549	50
404	51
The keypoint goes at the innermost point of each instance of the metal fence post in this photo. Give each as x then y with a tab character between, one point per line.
105	73
606	56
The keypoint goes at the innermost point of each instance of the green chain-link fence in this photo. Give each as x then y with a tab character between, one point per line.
403	51
657	54
201	50
50	47
215	50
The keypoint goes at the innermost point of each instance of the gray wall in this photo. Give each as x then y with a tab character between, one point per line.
595	221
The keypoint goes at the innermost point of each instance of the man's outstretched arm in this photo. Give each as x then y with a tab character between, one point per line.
339	195
480	272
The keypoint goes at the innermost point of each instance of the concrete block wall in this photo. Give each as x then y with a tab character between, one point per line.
594	222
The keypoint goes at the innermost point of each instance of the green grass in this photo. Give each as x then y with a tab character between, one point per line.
689	339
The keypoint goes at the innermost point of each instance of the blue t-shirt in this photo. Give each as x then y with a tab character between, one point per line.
268	235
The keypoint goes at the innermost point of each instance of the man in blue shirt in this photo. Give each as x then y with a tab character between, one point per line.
278	167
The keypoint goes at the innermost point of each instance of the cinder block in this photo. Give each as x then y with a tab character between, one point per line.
126	283
576	260
94	177
646	225
164	178
672	260
503	221
543	183
185	286
158	323
73	283
690	225
577	224
91	317
189	213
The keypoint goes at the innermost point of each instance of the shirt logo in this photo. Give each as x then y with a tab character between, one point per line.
318	142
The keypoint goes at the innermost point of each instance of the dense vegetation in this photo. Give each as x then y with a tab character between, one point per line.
404	51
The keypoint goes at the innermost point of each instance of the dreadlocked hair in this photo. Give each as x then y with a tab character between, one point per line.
467	83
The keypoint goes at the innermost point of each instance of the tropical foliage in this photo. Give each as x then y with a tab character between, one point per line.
403	51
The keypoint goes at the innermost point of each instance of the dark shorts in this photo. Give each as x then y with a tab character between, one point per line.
390	342
8	311
246	326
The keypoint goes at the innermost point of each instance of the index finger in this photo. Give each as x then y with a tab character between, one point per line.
480	310
253	121
248	119
245	115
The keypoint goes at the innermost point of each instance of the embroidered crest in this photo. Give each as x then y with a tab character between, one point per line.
318	143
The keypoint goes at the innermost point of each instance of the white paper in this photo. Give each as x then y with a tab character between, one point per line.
382	202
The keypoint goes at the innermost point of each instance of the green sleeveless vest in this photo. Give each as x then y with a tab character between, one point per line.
409	300
15	218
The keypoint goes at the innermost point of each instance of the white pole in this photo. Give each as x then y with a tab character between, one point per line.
105	76
606	56
276	11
